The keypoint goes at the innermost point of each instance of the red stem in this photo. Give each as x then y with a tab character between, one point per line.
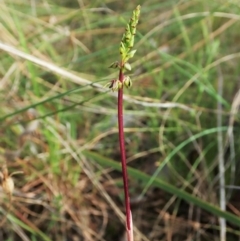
122	150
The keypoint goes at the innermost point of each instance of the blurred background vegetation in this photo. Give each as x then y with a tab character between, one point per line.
58	123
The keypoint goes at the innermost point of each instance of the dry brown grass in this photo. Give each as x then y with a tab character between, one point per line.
48	50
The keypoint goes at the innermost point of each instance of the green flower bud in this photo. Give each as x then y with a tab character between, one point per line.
114	65
127	66
122	49
127	81
131	54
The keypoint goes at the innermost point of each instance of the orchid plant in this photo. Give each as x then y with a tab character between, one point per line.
118	84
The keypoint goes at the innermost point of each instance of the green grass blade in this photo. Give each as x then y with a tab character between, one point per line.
178	148
166	187
26	227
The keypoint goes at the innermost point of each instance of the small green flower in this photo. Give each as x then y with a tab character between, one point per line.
127	81
114	65
115	85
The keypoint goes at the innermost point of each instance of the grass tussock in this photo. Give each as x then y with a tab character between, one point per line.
58	123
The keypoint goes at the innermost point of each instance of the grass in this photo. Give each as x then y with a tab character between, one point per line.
59	123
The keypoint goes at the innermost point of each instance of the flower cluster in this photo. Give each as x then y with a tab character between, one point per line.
116	84
126	52
128	37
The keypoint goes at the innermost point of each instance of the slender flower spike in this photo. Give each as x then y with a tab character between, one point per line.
126	53
128	37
